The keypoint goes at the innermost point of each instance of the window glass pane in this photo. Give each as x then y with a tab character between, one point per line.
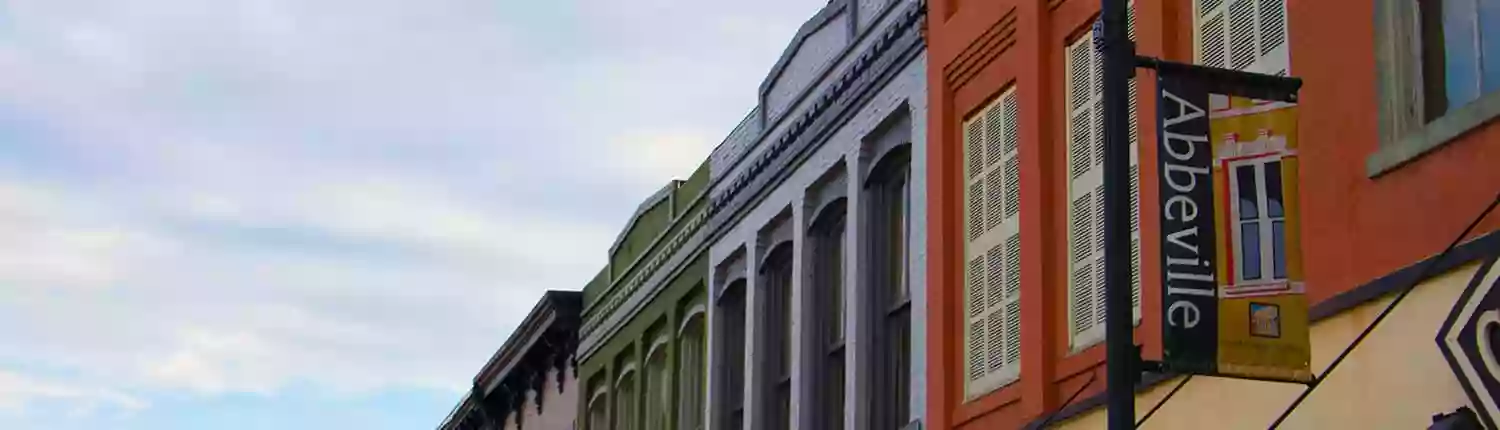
1489	34
1250	250
1278	249
1245	176
1461	49
1273	190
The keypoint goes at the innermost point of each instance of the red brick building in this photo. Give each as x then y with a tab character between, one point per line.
1399	152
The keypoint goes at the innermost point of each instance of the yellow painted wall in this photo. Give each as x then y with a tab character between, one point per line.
1396	379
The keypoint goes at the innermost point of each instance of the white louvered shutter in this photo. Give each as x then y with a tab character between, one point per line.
992	174
1086	277
1247	35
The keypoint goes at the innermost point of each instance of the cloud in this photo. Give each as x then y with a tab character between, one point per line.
242	196
18	392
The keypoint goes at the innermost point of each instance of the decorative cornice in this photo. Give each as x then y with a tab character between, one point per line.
984	49
693	220
853	84
651	202
820	118
545	340
808	28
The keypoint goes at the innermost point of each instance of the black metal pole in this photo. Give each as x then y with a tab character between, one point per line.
1119	65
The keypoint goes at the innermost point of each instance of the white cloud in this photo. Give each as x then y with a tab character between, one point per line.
18	392
357	195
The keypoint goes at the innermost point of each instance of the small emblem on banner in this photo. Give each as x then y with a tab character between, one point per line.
1265	320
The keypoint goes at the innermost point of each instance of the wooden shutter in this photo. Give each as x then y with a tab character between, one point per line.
992	339
1246	35
1086	277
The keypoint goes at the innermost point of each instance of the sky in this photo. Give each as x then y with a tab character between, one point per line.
284	214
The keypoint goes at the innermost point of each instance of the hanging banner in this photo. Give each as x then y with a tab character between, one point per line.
1233	299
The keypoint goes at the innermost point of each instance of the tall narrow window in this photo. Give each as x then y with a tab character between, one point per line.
1084	77
992	336
625	413
658	392
691	371
731	414
890	239
776	275
826	239
599	409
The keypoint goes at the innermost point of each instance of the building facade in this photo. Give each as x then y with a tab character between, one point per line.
1394	157
816	312
530	382
716	311
644	335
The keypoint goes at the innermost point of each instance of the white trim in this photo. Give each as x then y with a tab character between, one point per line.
698	310
992	315
625	371
1085	187
656	345
599	391
1469	372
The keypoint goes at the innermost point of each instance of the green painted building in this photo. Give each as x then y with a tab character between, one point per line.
644	323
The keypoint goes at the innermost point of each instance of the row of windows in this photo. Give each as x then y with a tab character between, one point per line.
619	405
887	307
643	396
1241	34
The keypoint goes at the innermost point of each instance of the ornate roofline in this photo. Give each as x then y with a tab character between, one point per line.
824	115
640	210
812	25
546	339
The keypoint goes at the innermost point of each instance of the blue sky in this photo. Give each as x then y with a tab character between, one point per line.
282	214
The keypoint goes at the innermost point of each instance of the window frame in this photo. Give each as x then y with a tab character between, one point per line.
1090	191
694	323
600	394
1405	133
730	399
889	300
650	379
993	231
777	336
829	230
626	397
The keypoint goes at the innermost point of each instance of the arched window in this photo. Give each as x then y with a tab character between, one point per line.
692	371
658	392
826	240
625	413
599	409
731	413
888	192
776	364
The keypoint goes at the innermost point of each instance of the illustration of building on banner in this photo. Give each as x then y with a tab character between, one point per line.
1263	326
